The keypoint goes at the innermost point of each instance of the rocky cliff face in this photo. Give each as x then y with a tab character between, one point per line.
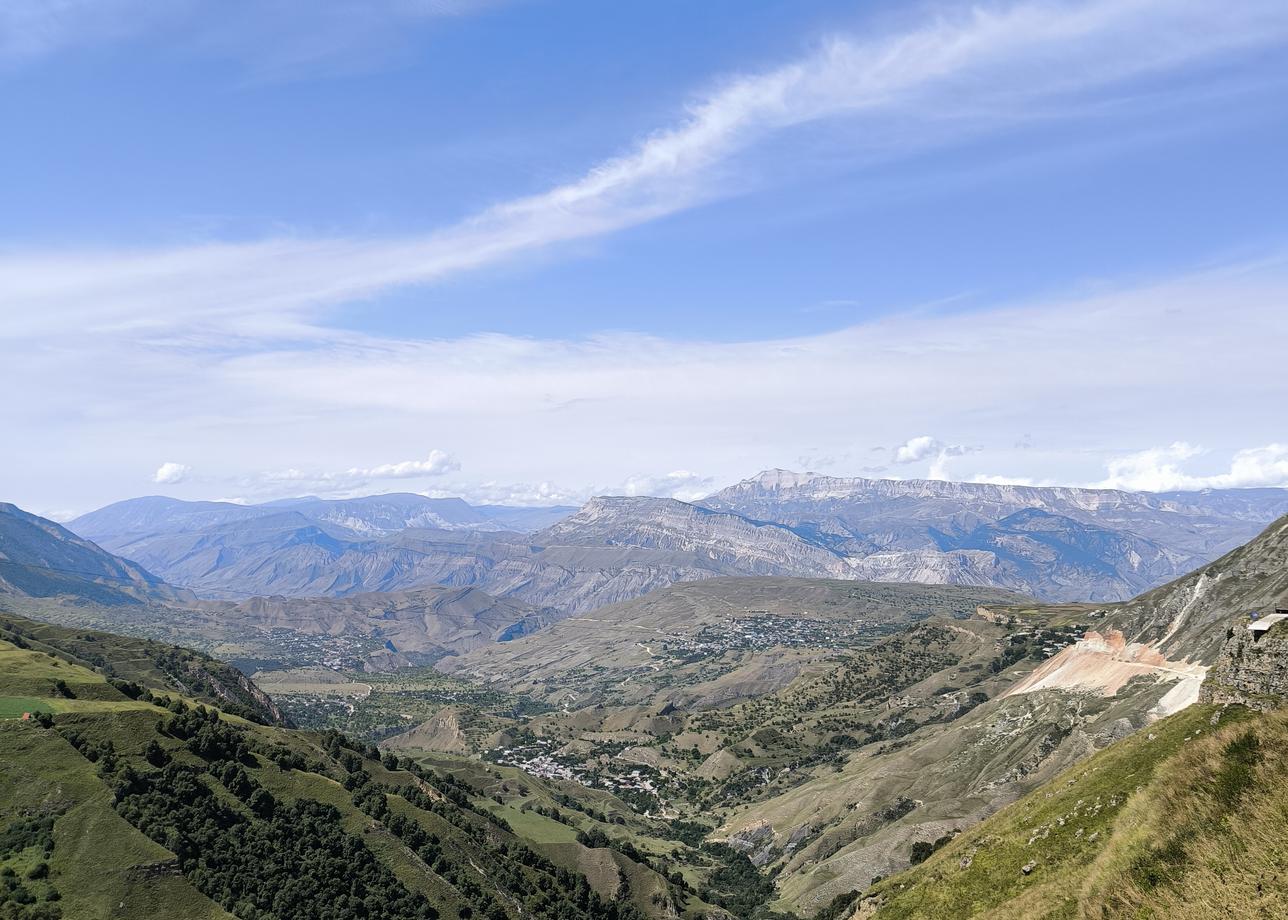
753	547
1252	669
775	490
1187	618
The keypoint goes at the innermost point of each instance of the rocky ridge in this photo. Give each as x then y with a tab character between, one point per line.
1056	544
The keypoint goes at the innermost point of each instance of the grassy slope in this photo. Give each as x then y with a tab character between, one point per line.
608	870
102	866
1184	820
167	668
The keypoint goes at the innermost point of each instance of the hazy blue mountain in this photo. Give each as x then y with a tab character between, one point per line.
41	559
137	517
375	514
382	514
525	520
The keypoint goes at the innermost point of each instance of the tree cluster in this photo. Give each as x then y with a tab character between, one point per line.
289	861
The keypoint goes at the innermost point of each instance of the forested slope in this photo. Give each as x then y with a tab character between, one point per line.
118	798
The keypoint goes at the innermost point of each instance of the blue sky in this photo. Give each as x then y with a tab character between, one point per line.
528	251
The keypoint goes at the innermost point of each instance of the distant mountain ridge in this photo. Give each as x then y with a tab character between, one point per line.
414	626
48	572
374	515
1058	543
41	559
779	486
1053	543
758	547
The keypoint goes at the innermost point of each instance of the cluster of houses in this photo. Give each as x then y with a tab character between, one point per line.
540	759
763	630
293	648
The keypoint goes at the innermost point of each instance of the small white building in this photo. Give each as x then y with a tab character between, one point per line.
1261	625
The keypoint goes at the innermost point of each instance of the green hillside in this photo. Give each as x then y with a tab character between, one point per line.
119	799
1185	820
131	664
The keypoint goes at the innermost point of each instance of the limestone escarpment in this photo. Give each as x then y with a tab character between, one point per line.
1252	669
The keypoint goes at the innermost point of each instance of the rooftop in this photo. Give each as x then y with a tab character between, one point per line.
1267	621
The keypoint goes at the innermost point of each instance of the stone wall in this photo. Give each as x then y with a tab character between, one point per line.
1252	671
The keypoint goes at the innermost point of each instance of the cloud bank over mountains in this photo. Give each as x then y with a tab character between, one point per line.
1089	382
1160	469
231	351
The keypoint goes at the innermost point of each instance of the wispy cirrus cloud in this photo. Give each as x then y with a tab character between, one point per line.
956	74
225	350
536	421
33	28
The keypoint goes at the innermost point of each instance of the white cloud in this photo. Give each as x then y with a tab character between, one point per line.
925	447
525	414
436	464
989	479
1160	469
527	494
293	481
682	484
171	473
59	515
917	449
956	74
144	351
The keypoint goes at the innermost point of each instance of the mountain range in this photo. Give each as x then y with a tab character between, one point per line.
1053	543
1056	543
49	572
